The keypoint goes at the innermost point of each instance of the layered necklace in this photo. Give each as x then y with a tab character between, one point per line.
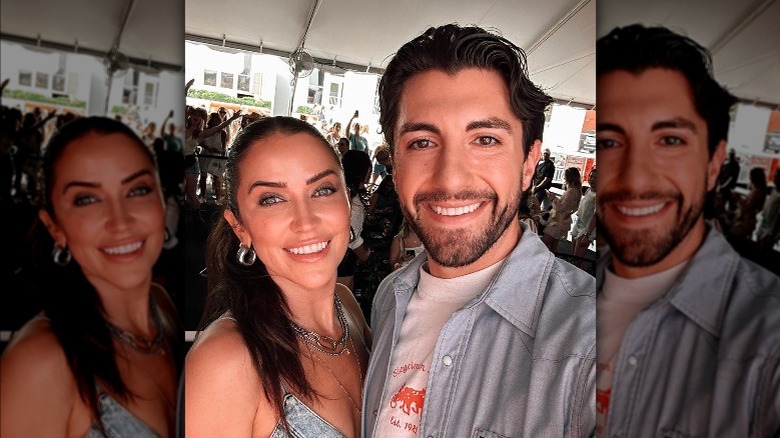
332	347
326	344
141	343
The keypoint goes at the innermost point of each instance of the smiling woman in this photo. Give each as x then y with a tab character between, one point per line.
283	347
102	355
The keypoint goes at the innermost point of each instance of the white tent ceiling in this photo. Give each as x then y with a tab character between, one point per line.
744	37
558	35
149	31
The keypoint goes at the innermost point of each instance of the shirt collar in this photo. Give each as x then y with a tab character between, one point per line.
528	265
701	291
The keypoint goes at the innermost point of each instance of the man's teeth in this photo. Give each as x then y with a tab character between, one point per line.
457	211
309	249
123	249
641	211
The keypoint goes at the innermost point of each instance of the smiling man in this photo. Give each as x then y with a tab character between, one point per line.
689	332
486	333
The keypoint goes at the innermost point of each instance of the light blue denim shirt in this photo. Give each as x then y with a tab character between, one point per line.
517	360
704	360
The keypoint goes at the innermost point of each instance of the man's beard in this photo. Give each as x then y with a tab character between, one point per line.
648	246
461	247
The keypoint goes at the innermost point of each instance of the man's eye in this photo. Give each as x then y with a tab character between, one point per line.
605	144
420	144
487	140
671	140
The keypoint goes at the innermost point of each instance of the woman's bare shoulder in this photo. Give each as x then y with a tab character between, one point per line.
223	390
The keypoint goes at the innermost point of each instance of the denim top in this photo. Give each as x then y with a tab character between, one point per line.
303	422
517	360
703	360
118	421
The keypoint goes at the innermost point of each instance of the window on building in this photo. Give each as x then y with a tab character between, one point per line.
257	85
58	83
227	80
41	80
150	90
243	83
25	78
210	78
334	97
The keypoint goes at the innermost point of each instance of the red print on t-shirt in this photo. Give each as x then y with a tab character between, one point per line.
411	400
602	400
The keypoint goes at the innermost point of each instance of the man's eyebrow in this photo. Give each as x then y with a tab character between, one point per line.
281	185
677	122
418	126
609	127
491	123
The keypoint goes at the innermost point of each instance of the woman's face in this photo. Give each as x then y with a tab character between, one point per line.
294	209
108	209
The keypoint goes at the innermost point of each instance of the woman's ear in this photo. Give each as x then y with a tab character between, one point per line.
54	230
238	229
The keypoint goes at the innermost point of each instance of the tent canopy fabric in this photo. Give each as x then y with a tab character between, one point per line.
558	35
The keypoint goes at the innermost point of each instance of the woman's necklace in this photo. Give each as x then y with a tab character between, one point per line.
140	343
360	374
326	344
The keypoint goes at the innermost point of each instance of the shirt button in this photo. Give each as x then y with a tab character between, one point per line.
632	360
447	360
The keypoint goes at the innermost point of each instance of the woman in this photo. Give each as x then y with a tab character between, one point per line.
560	221
101	357
285	348
406	246
357	167
750	206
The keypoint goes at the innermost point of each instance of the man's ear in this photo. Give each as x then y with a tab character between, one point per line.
713	167
529	166
54	230
238	229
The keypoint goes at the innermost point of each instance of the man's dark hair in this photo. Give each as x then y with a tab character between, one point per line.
452	48
636	48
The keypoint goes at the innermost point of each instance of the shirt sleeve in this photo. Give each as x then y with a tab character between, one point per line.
356	222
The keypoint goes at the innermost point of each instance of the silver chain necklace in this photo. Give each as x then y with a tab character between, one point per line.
140	343
326	344
358	407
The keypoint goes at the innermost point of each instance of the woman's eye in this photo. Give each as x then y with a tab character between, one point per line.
325	191
270	200
140	191
82	200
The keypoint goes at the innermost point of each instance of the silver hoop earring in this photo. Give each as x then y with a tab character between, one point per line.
246	255
61	255
351	235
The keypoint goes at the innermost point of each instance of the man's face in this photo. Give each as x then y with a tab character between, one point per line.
459	167
652	149
546	156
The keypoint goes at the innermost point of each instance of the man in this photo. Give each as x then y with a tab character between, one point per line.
543	176
356	141
727	180
689	332
486	333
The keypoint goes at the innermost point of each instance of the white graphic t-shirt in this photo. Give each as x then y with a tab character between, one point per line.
431	305
620	301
